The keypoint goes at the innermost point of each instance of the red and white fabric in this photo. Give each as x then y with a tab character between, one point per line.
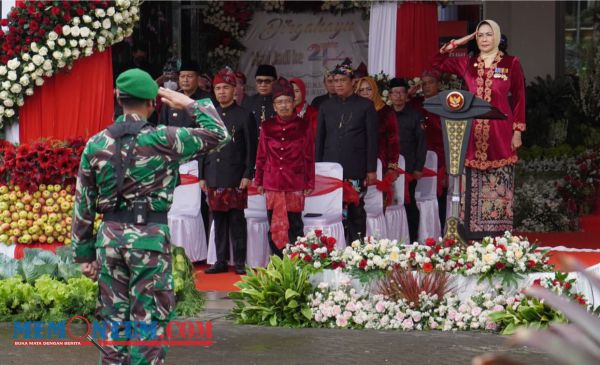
395	214
427	203
329	204
185	216
376	225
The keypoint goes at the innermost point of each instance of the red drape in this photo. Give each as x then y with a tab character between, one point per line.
417	37
77	103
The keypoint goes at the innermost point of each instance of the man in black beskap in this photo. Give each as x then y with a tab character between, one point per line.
347	134
413	147
188	84
329	87
261	103
226	174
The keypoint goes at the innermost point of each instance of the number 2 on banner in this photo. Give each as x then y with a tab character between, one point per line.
319	51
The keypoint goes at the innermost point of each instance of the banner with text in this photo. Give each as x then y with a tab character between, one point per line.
304	45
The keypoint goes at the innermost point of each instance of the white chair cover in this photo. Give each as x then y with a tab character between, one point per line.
395	214
329	205
376	225
257	229
426	197
185	217
212	248
258	250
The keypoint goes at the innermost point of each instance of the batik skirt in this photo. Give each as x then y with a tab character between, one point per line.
488	203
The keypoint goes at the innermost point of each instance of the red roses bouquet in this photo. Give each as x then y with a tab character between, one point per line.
314	249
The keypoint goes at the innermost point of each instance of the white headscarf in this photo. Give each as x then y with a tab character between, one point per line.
488	57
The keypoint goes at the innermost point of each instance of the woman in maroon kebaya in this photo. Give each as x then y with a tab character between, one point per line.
492	151
285	167
388	150
302	108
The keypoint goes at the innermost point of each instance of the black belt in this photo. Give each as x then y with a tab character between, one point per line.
127	216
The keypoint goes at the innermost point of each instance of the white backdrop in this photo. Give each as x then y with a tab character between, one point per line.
304	45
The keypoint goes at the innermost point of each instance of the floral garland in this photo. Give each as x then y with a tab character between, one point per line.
507	256
44	37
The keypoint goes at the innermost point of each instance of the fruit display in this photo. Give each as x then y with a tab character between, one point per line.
43	216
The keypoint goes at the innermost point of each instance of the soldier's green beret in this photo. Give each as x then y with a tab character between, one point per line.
138	84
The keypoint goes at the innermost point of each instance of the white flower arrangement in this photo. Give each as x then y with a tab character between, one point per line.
342	307
214	15
56	52
507	253
223	55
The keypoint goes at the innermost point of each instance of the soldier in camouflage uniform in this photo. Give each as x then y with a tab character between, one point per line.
131	252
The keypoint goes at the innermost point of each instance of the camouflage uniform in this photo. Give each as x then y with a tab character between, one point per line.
135	276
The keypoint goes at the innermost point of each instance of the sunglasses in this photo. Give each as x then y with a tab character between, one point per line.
264	81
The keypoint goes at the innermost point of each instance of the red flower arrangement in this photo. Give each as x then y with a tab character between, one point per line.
42	162
314	249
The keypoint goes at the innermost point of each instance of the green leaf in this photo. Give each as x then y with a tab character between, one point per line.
307	312
289	293
529	313
292	304
498	316
273	320
509	329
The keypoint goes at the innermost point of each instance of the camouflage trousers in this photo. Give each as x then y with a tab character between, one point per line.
135	285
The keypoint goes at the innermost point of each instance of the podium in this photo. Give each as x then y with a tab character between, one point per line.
456	109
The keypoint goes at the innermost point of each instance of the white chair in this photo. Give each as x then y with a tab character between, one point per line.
376	225
258	250
395	214
257	229
329	206
185	217
427	203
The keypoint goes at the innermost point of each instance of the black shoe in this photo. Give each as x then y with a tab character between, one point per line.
240	269
216	269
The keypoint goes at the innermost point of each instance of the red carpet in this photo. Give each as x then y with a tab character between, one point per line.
215	282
